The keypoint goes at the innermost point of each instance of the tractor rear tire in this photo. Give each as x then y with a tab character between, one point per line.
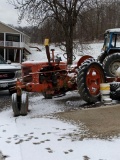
24	104
15	107
111	63
90	75
101	57
114	86
115	90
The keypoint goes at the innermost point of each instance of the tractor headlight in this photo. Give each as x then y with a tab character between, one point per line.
18	74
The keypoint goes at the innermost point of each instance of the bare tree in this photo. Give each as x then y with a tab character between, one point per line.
65	12
99	16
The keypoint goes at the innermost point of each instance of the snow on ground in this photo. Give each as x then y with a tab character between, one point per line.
89	49
37	136
27	138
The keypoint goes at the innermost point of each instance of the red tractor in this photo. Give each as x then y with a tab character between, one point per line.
54	78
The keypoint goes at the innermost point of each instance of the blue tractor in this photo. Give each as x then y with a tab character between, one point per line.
110	56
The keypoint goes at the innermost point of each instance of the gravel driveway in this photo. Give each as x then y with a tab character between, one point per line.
100	122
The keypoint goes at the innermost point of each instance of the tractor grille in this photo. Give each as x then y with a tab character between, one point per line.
7	75
26	74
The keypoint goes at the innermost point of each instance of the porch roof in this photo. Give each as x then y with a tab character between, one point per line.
9	29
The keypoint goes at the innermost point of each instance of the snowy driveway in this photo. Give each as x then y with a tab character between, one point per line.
40	136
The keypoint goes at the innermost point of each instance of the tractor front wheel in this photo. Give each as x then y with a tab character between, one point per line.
24	104
90	75
15	106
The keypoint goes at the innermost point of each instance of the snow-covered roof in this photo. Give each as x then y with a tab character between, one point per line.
113	30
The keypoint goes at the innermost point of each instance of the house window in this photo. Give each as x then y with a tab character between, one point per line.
1	36
14	38
2	52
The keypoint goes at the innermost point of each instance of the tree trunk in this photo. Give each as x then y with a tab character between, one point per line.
69	44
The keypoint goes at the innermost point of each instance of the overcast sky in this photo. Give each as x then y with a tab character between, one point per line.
9	15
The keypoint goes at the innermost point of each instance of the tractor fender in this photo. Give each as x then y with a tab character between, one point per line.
82	59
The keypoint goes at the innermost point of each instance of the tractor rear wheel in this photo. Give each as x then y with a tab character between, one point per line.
90	75
101	57
114	86
111	63
115	90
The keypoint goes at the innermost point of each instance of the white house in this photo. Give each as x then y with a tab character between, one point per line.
13	43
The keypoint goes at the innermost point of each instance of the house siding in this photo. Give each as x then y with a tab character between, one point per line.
6	29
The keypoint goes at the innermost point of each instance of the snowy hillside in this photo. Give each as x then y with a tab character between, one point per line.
90	49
